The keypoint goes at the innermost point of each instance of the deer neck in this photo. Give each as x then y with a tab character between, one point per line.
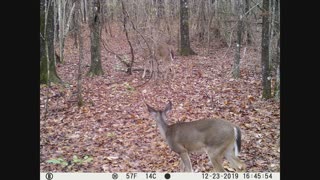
163	126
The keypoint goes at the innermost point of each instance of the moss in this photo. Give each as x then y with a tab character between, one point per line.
183	52
41	23
80	102
43	72
187	52
94	73
276	91
95	70
266	94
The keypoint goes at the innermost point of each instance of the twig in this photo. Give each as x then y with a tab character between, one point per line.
117	55
125	14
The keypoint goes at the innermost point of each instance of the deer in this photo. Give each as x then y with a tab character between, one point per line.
164	56
217	137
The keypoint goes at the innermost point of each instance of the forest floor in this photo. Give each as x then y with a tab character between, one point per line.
113	131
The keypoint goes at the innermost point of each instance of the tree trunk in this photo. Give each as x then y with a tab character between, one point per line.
201	22
55	22
266	83
95	36
277	28
184	29
125	19
77	24
236	65
277	85
160	11
74	19
248	32
61	27
271	35
47	71
85	10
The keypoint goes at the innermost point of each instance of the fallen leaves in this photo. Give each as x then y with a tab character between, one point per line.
114	128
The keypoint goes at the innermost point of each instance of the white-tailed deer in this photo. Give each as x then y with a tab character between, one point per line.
163	54
218	138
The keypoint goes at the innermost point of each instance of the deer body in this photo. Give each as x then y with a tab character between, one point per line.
218	138
163	54
198	139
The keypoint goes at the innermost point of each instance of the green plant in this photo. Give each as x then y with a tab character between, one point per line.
128	87
75	160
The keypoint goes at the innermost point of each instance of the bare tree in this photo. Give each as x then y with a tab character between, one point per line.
64	7
212	13
95	37
236	65
266	79
125	20
277	59
77	21
47	63
247	24
84	10
160	9
201	21
184	29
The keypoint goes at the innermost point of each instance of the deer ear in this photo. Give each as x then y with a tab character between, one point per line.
151	109
168	107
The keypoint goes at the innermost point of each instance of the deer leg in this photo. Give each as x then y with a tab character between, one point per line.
166	73
215	156
235	162
186	162
173	72
182	166
144	72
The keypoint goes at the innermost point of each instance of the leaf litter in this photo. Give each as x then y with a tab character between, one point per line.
113	128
